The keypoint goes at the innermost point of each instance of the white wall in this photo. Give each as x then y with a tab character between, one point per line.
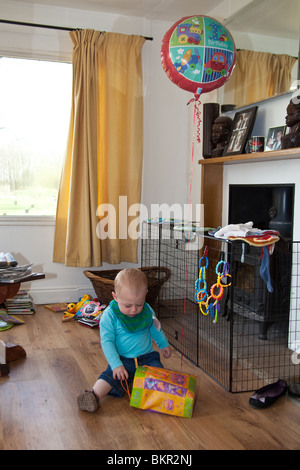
167	123
166	152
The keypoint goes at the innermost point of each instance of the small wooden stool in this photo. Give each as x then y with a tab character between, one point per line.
9	352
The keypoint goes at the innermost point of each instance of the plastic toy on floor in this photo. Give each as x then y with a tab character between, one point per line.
163	391
87	311
90	314
74	308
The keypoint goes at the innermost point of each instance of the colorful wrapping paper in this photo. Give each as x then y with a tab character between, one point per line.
163	391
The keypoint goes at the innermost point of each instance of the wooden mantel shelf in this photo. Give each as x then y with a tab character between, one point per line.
212	179
276	155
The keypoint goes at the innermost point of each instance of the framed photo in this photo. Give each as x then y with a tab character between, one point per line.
274	136
241	132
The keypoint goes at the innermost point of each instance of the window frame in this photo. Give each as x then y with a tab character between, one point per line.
53	46
15	220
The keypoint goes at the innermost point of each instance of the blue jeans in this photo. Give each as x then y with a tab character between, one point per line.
151	359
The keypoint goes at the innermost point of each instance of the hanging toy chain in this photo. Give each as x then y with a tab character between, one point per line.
210	304
201	284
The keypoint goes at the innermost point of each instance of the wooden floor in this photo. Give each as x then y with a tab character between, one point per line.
38	407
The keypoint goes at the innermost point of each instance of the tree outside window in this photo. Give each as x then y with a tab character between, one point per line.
35	105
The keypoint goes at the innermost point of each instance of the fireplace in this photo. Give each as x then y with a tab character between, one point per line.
269	207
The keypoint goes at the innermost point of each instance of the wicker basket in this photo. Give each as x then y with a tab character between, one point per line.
103	282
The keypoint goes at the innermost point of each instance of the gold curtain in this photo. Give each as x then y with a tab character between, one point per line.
105	148
258	75
120	138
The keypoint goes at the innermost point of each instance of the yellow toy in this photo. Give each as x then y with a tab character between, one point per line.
73	308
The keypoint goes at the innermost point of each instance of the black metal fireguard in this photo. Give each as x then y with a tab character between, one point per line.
255	336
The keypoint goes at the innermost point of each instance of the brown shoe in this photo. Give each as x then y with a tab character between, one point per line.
88	401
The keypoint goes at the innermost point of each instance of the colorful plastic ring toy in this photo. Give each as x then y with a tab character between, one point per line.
226	285
198	284
220	295
207	262
207	308
197	296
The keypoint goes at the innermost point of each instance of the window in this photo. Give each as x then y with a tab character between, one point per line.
35	97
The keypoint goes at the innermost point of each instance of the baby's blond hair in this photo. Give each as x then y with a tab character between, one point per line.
130	278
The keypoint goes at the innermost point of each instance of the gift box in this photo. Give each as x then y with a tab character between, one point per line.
163	391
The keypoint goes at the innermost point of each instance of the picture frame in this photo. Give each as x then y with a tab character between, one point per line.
241	131
273	140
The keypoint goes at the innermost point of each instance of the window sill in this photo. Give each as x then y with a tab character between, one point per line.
14	220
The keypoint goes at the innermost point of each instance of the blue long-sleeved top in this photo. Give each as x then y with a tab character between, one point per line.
117	341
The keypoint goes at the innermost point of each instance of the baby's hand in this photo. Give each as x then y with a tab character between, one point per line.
120	373
166	352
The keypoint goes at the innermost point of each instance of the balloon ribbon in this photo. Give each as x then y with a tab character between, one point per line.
196	131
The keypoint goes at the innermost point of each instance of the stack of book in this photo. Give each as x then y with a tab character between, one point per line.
20	304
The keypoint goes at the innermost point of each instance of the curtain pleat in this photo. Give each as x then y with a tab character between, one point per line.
105	148
120	138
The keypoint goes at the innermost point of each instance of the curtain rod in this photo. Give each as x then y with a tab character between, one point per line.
238	50
61	28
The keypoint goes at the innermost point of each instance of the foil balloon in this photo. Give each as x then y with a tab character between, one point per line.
198	54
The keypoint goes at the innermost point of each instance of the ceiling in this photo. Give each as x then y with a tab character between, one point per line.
278	18
165	10
274	17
